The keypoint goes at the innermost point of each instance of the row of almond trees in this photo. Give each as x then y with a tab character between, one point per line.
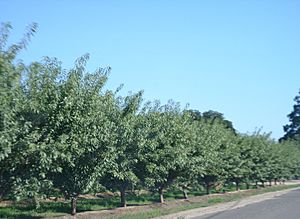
63	130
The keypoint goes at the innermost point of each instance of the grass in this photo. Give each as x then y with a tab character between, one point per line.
19	210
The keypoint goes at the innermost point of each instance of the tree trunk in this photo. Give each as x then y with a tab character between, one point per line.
256	184
123	197
270	183
73	205
275	182
237	186
161	195
66	195
185	194
263	184
207	185
247	185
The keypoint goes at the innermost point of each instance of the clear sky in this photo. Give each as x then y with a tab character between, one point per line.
241	58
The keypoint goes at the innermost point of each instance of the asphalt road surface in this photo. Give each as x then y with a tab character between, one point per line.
286	206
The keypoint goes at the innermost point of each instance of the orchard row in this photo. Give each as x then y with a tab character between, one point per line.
62	130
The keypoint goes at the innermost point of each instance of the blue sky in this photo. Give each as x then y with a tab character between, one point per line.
241	58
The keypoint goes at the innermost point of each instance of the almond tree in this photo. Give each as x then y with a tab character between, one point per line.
83	131
22	167
165	155
210	146
129	138
235	165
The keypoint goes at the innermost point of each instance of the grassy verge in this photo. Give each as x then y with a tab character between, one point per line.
21	210
60	208
165	210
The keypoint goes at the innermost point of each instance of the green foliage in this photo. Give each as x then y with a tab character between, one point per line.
292	130
19	156
82	129
165	155
128	139
212	140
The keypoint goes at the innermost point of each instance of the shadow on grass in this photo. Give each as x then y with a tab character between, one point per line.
13	213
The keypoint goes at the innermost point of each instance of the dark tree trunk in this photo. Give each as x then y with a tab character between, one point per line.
123	197
207	185
247	185
256	184
73	205
275	182
161	195
263	184
237	186
270	183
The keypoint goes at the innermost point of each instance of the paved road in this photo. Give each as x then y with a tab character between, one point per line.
284	206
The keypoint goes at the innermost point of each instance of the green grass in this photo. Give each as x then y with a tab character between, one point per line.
19	210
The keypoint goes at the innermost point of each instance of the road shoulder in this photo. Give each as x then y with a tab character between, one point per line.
226	206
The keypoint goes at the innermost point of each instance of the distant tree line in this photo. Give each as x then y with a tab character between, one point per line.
61	130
